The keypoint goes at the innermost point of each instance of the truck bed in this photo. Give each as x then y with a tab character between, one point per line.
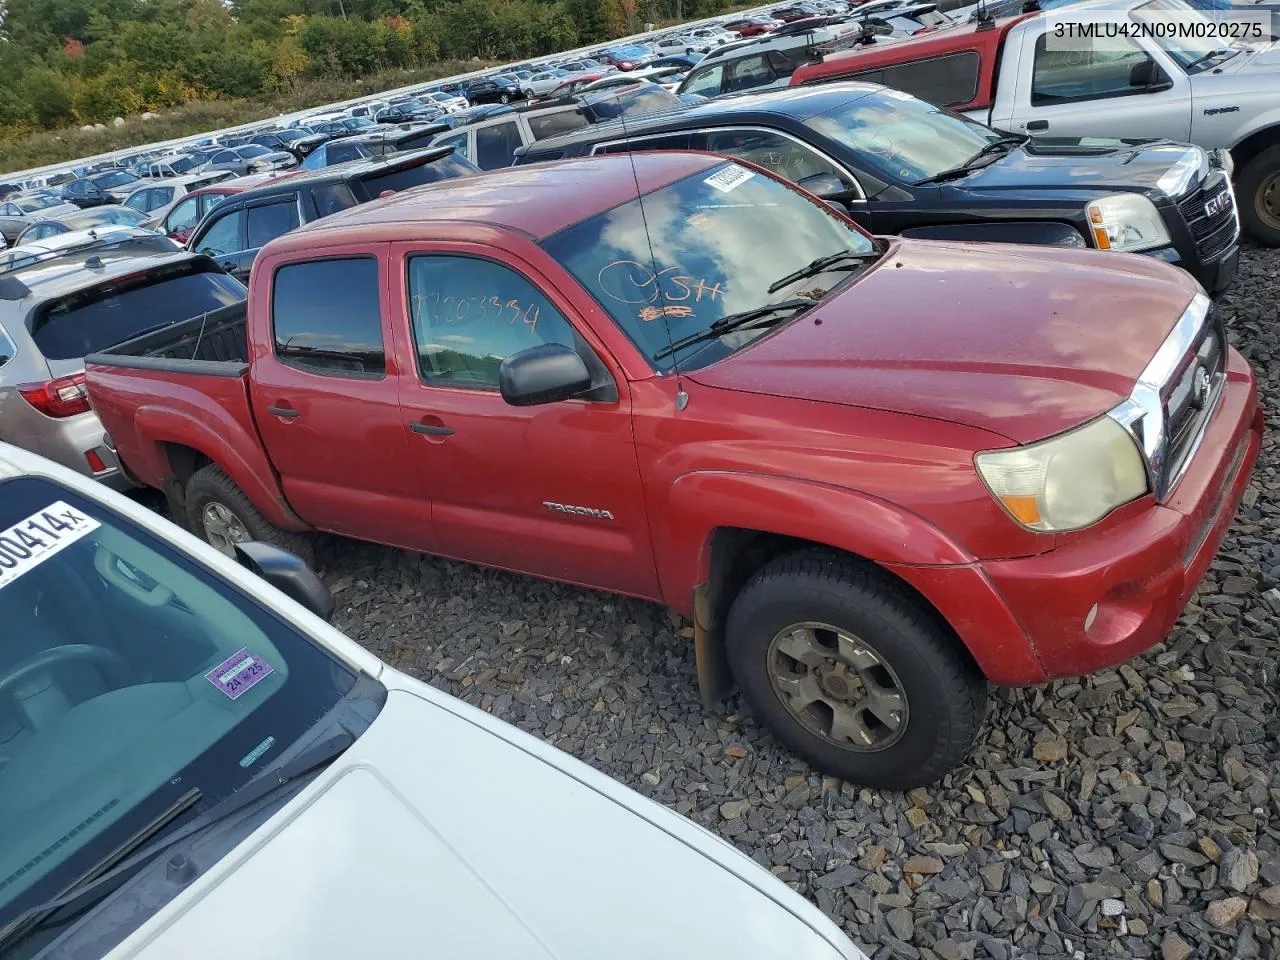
213	344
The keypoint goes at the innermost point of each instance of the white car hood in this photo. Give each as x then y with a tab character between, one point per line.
435	836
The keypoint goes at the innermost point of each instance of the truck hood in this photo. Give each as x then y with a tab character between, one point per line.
1020	341
438	834
1265	59
1071	163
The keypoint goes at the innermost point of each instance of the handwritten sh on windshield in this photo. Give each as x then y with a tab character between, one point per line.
629	281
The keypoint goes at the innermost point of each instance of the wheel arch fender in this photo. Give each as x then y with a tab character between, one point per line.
252	473
1262	131
703	502
781	514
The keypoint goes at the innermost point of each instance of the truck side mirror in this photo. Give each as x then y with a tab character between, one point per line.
543	374
1148	76
288	574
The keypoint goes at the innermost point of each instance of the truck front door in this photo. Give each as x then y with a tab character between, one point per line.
323	386
1093	87
553	490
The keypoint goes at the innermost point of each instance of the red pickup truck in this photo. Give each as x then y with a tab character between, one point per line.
876	473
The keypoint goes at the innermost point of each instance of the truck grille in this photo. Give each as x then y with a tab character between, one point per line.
1190	395
1213	231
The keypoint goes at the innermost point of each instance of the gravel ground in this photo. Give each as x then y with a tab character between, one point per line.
1129	814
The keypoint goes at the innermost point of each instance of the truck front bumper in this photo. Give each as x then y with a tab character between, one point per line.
1215	275
1111	592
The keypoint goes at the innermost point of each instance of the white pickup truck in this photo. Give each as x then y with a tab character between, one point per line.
1012	75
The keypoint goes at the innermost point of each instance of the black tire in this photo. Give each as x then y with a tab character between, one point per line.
210	485
505	98
1258	196
944	691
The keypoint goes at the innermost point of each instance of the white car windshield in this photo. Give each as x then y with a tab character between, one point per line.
129	676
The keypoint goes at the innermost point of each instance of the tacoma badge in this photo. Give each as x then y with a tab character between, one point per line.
579	511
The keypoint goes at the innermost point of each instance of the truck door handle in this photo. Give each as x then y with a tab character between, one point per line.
431	429
1036	126
287	412
228	265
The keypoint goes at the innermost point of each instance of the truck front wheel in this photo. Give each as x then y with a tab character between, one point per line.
852	672
1258	195
220	514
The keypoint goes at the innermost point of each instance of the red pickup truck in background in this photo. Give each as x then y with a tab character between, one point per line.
876	473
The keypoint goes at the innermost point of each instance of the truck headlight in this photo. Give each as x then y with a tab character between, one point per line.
1126	221
1068	482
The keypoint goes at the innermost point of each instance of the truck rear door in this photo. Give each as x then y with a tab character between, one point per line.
1091	86
553	490
324	394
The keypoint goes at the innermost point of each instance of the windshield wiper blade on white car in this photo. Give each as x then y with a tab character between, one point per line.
97	880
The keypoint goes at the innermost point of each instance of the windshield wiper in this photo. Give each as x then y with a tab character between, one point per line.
994	146
26	921
267	782
822	264
1211	55
734	321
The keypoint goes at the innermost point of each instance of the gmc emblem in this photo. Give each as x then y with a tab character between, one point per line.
1215	205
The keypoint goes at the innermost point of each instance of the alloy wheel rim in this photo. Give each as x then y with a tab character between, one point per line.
222	528
1268	204
838	687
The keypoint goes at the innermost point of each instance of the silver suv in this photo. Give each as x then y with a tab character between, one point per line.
59	304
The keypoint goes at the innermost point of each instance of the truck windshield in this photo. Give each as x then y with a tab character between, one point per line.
110	313
1194	50
904	139
711	233
130	675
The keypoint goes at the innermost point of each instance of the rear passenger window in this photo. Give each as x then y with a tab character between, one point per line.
554	124
943	81
326	317
496	145
271	220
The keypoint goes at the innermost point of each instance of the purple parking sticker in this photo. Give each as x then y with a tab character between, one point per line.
240	671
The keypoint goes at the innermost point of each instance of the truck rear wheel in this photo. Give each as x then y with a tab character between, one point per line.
852	672
1258	196
220	514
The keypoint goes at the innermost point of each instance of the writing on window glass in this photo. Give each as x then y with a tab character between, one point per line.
649	314
629	281
449	310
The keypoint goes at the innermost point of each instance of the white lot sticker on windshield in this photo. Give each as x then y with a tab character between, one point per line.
34	539
730	178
